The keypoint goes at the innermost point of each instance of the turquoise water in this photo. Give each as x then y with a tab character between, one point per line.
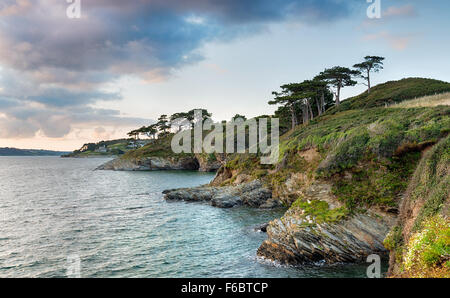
120	226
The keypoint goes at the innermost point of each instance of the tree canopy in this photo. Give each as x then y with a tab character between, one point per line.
370	64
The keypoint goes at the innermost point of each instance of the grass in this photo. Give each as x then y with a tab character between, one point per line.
426	254
432	182
394	92
318	211
428	251
379	147
426	101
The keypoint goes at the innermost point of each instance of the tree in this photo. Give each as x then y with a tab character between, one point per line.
287	98
237	116
338	77
370	64
149	131
135	135
178	119
163	124
323	95
190	116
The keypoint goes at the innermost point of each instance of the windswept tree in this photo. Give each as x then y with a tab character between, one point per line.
338	77
287	98
163	124
190	116
149	131
323	95
178	120
370	64
135	135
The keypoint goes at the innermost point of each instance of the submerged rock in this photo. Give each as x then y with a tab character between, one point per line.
252	194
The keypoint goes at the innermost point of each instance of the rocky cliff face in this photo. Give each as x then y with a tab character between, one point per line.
193	163
151	164
297	240
318	227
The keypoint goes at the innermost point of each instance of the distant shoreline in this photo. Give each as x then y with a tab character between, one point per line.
6	151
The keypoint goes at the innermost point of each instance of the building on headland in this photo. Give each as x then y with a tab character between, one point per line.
102	149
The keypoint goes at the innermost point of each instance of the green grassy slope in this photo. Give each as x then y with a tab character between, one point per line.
379	148
394	92
420	243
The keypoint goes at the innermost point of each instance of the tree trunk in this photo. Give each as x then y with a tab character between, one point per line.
319	107
293	116
338	94
311	114
368	81
322	99
305	113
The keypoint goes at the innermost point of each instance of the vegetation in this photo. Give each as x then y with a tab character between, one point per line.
339	77
442	99
317	212
423	249
159	148
102	148
370	64
428	252
394	92
368	155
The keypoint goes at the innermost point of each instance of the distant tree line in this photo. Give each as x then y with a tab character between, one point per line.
167	124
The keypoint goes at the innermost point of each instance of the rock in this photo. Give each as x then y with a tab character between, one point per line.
226	201
262	227
252	194
222	175
208	163
294	241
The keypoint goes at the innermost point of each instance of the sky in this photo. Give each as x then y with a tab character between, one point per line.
66	81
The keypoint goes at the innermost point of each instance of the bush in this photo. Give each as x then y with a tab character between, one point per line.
429	248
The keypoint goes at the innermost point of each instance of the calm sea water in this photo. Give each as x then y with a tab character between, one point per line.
120	226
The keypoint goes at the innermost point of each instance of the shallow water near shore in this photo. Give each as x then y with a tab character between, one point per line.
120	226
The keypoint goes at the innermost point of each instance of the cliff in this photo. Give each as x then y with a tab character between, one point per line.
361	179
158	155
343	177
420	241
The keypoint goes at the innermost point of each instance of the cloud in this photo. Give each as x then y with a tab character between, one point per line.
397	42
54	70
9	8
400	11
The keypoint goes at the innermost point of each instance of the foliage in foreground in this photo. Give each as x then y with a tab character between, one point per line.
420	246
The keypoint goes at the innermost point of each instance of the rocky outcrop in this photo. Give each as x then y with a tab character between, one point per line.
252	194
209	162
318	228
194	163
292	240
151	164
